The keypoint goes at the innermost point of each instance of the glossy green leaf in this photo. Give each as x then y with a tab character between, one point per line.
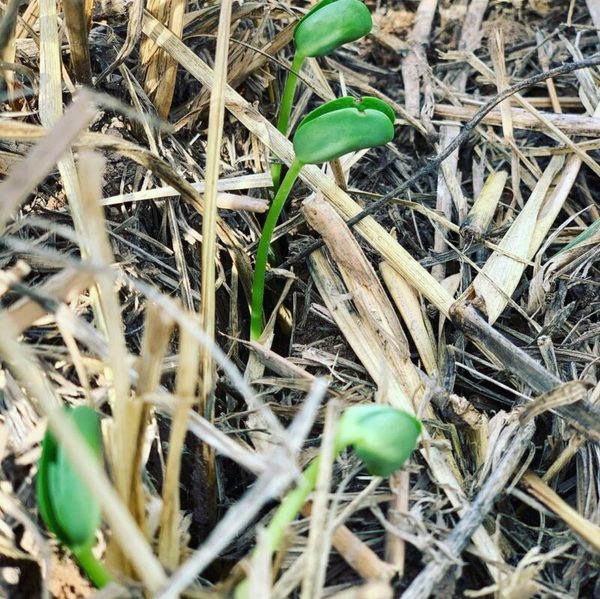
341	126
383	437
331	24
370	103
331	106
66	505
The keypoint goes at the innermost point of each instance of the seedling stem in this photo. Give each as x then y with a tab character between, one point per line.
262	254
285	110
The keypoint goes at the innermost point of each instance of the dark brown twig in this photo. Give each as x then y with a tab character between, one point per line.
433	574
582	415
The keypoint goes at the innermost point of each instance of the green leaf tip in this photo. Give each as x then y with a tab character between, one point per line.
331	24
341	126
66	505
383	437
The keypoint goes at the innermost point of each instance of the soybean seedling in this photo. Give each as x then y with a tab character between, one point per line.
383	438
326	27
326	133
66	505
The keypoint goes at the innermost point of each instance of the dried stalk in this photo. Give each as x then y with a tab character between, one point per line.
209	239
76	25
158	68
187	377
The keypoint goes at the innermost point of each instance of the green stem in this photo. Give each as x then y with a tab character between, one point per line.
262	254
286	512
285	110
292	504
95	571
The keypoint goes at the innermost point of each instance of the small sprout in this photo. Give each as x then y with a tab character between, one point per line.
326	133
383	437
373	432
66	505
326	27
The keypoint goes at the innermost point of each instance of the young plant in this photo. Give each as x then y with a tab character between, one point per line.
326	133
67	506
326	27
383	437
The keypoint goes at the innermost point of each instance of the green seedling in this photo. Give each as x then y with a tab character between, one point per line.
326	27
326	133
68	508
383	438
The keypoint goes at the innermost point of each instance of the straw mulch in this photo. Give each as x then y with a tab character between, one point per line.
473	292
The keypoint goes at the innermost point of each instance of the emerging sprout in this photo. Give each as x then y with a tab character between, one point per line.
383	437
326	133
326	27
66	505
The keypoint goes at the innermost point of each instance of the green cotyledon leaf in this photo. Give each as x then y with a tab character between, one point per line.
383	437
66	505
341	126
331	24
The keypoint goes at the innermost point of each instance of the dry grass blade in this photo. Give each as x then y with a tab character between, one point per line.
587	530
448	187
544	53
50	100
187	377
155	342
159	68
374	309
414	62
122	438
319	534
497	54
363	340
495	283
28	19
209	242
412	312
32	170
370	590
568	124
76	25
224	200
